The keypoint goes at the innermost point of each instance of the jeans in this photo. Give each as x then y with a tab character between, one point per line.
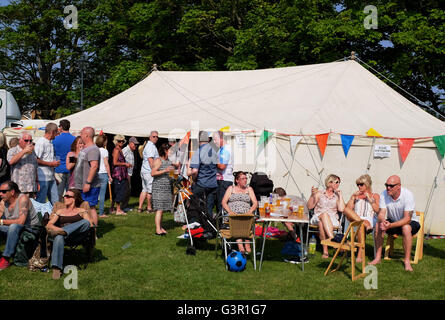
63	183
210	194
75	232
222	187
103	178
48	188
12	233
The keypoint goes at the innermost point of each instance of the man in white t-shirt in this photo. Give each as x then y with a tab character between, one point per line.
149	155
224	175
46	161
396	216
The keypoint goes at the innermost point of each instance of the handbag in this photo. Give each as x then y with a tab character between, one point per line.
338	237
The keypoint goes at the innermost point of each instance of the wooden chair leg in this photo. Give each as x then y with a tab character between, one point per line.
389	248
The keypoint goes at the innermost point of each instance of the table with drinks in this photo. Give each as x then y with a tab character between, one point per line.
286	209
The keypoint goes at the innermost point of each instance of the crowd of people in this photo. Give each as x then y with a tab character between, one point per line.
76	171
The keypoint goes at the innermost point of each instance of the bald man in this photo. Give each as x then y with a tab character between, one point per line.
86	178
396	216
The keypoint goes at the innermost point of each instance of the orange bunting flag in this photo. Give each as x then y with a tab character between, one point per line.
322	141
185	140
404	147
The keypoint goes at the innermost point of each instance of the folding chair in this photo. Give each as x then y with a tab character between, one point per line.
241	226
419	236
350	246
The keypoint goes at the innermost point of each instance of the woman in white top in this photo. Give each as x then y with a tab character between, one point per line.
326	204
363	205
104	172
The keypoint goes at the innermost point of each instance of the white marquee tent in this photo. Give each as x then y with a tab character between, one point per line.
303	101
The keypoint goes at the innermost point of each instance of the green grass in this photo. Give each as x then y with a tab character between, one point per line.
131	262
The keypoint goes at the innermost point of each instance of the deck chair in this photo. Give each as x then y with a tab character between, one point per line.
89	242
419	236
241	226
350	246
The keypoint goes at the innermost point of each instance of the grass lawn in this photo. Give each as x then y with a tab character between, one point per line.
131	262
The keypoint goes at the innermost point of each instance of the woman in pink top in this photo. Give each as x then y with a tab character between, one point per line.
326	204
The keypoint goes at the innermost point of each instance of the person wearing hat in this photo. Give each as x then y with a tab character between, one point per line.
128	152
203	170
119	173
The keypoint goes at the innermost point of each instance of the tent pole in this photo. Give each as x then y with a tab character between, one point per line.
430	198
313	160
370	153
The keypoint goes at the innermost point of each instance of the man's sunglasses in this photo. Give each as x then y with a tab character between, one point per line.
387	185
155	137
27	140
4	191
68	196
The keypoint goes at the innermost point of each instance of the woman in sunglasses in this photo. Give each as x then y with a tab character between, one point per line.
70	223
326	204
363	205
119	174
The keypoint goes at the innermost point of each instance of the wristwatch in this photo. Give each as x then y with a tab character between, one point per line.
86	182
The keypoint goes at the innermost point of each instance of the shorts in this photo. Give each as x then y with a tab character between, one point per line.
92	196
415	227
147	182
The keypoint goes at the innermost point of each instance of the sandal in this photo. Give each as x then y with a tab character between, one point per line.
325	256
140	210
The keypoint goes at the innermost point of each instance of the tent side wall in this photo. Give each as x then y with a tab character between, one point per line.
422	172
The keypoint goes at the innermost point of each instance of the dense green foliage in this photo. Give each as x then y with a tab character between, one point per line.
121	40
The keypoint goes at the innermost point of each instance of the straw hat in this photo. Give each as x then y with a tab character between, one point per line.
141	148
2	139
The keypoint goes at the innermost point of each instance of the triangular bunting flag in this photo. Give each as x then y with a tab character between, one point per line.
185	140
404	147
322	141
294	140
264	137
372	133
440	144
225	129
346	141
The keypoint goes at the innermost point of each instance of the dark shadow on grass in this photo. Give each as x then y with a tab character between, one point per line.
78	257
104	227
432	251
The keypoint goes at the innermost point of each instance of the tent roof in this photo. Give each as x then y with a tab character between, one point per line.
340	97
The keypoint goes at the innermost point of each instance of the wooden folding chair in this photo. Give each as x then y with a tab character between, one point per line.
419	236
241	226
350	246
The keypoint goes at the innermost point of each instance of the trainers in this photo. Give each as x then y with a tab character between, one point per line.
3	263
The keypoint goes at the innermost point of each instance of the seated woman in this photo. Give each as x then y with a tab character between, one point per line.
70	223
363	205
326	204
289	225
237	200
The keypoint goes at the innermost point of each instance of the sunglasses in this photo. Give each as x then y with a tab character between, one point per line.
27	140
4	191
121	141
155	137
387	185
68	196
360	184
336	182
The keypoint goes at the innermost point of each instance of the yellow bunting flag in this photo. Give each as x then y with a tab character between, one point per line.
372	133
225	129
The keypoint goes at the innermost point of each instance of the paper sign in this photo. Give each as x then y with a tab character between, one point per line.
382	151
240	140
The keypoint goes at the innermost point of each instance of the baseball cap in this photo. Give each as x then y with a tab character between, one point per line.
134	140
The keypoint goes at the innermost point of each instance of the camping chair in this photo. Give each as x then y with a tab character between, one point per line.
419	236
88	242
241	226
350	246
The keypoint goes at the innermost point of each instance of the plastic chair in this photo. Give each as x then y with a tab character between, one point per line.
350	246
241	226
419	236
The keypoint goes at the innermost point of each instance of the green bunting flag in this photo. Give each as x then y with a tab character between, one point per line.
440	144
264	137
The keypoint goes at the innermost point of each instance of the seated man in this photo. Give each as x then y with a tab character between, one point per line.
16	212
397	205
